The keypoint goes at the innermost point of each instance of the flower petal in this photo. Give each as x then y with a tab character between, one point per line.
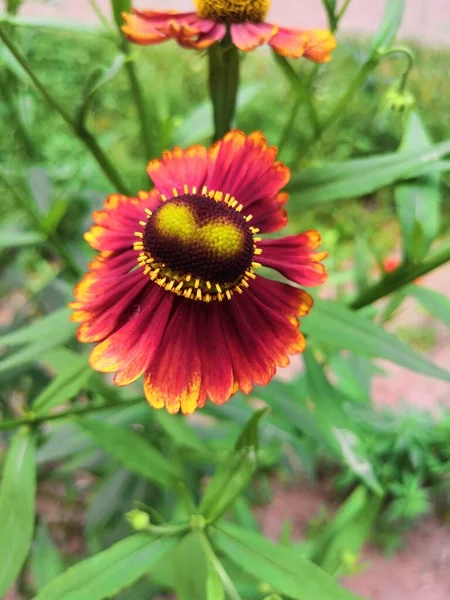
174	377
294	258
248	36
315	44
179	168
244	167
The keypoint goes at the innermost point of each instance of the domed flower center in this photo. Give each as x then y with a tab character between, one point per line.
199	246
233	10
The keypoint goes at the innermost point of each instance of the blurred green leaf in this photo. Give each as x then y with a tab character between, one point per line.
327	407
230	480
133	451
392	19
335	325
361	176
16	239
249	436
96	80
418	201
17	498
8	60
108	572
180	431
189	568
349	529
433	302
41	328
65	386
330	7
46	562
118	7
198	125
40	188
214	586
287	572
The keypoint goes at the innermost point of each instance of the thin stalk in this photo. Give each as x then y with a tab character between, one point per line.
85	136
138	97
300	89
289	125
73	412
227	583
103	20
342	12
402	276
52	238
223	85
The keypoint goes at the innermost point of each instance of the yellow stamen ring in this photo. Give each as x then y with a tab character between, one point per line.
189	285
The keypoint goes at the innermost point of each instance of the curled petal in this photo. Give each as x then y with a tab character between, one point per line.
248	36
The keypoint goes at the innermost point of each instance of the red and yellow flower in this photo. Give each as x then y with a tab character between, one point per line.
244	19
174	292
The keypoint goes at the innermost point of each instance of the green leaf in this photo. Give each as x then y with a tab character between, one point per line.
65	386
179	430
41	328
361	176
337	326
40	188
108	572
118	7
436	304
17	497
327	405
189	568
97	79
230	480
46	562
285	571
250	434
418	201
16	239
392	19
347	532
133	451
330	7
214	586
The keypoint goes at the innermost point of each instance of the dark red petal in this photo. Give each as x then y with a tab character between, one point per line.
179	168
173	379
245	167
294	257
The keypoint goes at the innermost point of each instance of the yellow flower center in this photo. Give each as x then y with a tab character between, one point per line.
199	246
233	10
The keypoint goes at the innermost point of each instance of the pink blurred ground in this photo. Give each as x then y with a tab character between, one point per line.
425	20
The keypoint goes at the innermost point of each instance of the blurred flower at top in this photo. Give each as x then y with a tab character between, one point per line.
174	293
213	18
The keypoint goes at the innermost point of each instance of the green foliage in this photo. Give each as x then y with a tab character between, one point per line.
169	499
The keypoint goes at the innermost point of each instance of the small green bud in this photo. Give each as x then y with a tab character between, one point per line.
198	522
139	520
398	100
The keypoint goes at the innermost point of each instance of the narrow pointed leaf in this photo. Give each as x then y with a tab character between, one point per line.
335	325
46	562
285	571
392	19
105	574
17	500
132	450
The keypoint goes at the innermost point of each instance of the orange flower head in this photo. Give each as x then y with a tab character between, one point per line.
174	293
209	23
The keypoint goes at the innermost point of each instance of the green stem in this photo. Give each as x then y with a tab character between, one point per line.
405	274
139	102
73	412
223	85
52	238
342	12
288	126
300	89
365	70
227	583
84	135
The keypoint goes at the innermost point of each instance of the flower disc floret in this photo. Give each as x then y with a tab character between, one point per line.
200	246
